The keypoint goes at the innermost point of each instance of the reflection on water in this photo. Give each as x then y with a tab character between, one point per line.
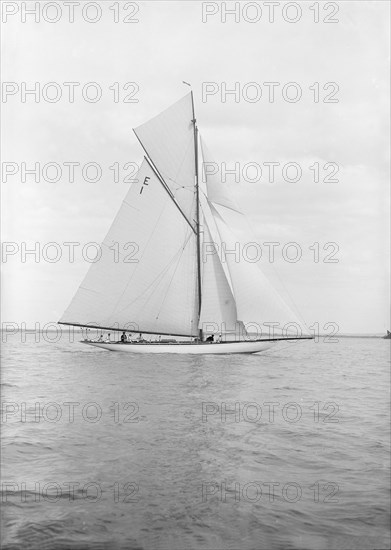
288	449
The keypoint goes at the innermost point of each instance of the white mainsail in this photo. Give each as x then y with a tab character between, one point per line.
157	293
168	140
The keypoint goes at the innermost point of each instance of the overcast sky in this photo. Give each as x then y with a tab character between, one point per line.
171	43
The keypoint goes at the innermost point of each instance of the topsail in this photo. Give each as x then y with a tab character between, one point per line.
168	140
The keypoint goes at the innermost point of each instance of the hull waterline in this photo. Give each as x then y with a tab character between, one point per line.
223	348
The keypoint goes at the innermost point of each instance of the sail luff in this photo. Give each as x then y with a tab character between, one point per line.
199	283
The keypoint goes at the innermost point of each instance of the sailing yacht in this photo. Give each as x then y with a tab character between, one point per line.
181	283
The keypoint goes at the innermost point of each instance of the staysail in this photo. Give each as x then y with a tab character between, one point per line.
258	305
218	311
150	286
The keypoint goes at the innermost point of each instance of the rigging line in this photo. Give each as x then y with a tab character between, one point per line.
174	181
157	279
229	277
142	256
158	174
120	254
165	186
212	203
292	304
188	188
185	155
161	275
175	270
197	194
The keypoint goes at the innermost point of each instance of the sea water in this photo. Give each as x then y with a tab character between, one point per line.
287	449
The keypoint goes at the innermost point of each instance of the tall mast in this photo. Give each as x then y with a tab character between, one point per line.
197	214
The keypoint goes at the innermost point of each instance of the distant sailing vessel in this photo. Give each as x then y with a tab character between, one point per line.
387	336
167	266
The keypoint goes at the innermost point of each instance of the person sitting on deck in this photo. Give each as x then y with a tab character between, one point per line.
140	338
123	337
210	338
